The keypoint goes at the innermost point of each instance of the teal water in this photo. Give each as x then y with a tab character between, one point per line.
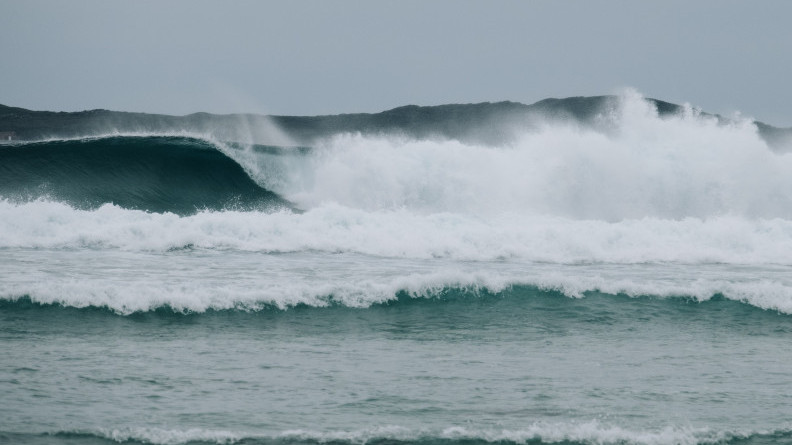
517	365
175	174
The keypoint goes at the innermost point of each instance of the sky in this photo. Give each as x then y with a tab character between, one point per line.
325	57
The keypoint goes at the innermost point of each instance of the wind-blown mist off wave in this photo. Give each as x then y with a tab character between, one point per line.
641	166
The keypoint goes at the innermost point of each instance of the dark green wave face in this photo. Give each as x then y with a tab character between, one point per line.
153	173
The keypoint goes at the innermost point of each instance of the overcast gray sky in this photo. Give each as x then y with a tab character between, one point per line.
319	57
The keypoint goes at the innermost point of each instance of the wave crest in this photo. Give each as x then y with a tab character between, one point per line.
573	433
252	294
633	164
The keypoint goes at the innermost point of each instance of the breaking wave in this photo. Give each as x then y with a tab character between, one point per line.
583	433
176	174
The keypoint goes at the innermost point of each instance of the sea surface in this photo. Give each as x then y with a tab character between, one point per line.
630	284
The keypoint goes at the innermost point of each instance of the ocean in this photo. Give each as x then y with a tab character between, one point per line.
625	284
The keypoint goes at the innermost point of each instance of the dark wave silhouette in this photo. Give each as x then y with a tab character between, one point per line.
153	173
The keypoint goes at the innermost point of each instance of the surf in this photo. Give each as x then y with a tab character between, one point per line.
631	164
192	281
572	433
401	233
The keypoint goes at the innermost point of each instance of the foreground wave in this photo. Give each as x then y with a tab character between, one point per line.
734	298
587	433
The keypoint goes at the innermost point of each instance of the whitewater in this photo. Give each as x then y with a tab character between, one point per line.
627	282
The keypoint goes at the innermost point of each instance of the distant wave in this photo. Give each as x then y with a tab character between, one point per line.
583	433
635	164
176	174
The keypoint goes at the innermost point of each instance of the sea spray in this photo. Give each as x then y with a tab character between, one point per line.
684	165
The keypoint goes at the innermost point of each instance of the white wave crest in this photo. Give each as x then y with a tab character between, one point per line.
591	432
404	234
688	165
162	436
139	282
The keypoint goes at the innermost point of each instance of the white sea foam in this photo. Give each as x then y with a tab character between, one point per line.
646	166
403	233
591	432
163	436
127	282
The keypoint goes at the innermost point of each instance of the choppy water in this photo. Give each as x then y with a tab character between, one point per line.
633	286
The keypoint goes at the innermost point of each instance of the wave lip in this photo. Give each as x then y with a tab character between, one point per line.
178	174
